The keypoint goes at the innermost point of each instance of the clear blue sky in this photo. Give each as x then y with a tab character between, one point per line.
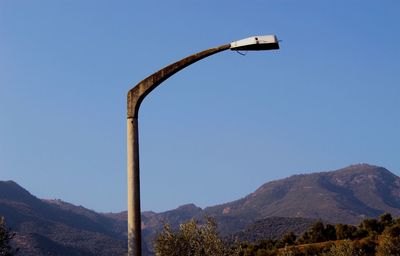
215	131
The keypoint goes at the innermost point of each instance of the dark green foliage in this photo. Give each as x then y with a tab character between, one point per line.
344	231
319	233
273	228
263	248
372	226
5	238
360	233
267	244
289	238
330	232
386	219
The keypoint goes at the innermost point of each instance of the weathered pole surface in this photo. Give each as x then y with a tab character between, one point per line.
134	218
135	98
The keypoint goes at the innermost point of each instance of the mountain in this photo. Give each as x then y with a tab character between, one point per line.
53	227
348	195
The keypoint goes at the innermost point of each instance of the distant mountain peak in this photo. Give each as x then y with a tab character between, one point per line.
363	167
189	207
364	173
10	190
11	184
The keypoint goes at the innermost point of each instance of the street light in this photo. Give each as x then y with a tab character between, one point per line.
135	98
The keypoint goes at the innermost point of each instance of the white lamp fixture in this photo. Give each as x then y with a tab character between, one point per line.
256	43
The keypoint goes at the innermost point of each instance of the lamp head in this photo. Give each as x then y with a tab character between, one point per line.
256	43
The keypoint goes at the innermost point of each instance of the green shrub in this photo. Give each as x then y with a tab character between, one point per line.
344	248
192	239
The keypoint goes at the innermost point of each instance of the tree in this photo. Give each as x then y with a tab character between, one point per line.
192	239
5	238
288	239
317	232
344	231
330	232
386	219
373	226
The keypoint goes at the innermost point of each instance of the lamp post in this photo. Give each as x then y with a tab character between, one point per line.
135	98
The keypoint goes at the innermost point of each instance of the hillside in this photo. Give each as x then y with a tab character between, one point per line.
52	227
348	195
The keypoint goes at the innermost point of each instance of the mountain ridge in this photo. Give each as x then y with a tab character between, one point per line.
352	188
347	195
47	228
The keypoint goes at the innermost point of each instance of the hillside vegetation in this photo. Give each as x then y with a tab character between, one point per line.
372	237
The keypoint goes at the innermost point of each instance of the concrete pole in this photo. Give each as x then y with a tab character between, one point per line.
135	98
134	218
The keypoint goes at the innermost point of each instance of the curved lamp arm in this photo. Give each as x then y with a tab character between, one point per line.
142	89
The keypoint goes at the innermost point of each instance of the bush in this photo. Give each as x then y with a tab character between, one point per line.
388	245
289	251
345	248
392	231
312	250
192	239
